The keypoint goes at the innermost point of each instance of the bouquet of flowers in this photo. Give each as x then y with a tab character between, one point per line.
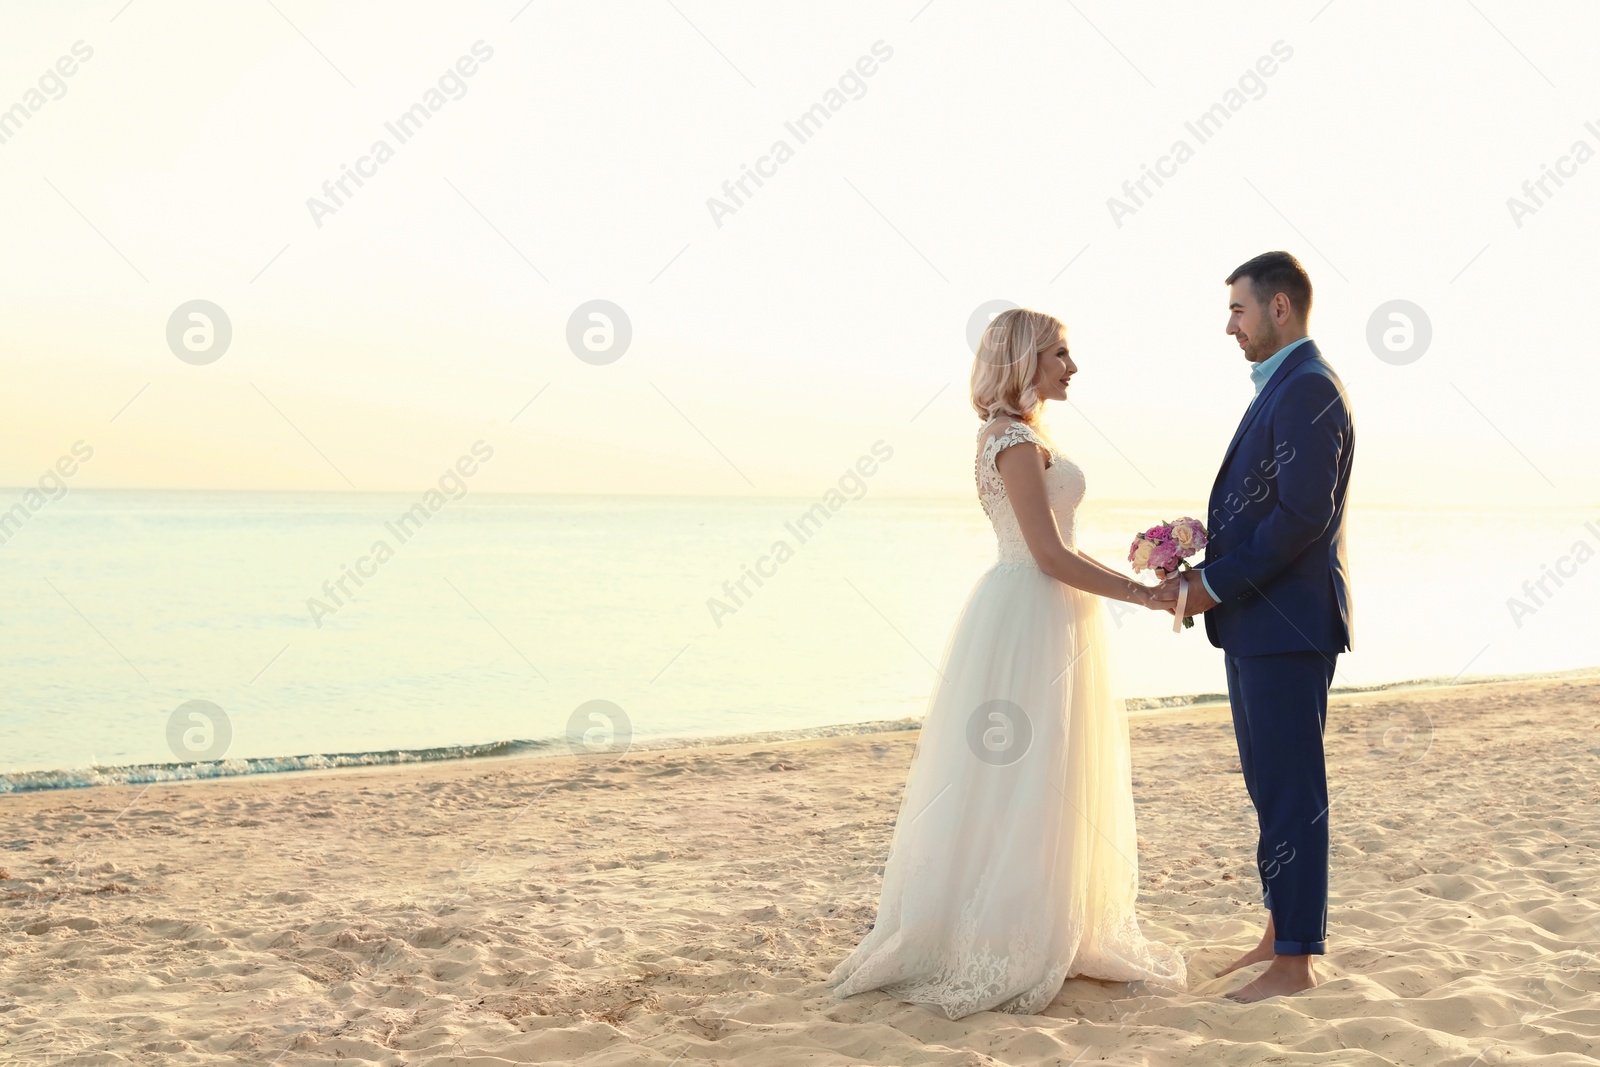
1167	547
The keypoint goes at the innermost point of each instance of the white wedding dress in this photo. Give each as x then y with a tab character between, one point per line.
1013	864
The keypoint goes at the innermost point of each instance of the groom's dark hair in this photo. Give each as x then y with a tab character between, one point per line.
1272	273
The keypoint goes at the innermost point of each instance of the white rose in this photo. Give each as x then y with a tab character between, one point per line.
1141	555
1183	533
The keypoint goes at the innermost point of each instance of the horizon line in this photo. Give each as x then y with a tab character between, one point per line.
1395	504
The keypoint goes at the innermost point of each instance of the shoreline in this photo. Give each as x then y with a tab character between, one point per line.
14	783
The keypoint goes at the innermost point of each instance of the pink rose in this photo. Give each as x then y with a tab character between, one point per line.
1165	557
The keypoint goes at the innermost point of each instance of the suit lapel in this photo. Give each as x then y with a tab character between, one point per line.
1306	350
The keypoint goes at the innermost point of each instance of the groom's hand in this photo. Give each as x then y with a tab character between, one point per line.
1199	600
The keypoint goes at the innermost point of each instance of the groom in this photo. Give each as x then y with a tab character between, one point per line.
1275	590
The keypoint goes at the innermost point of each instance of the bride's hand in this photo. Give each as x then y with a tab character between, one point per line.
1163	597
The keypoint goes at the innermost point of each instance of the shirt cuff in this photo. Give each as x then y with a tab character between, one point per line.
1205	582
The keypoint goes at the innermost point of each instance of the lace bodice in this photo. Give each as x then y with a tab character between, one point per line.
1063	480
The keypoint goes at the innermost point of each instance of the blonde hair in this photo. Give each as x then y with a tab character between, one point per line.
1007	361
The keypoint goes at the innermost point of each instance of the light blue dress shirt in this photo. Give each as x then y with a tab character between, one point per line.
1261	373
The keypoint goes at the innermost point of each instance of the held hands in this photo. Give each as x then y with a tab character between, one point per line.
1166	594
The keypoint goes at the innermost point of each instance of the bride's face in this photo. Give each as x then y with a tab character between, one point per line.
1055	369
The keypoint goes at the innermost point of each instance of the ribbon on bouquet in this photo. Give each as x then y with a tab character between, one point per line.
1183	600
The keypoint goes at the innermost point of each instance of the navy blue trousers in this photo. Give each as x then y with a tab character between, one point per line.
1280	708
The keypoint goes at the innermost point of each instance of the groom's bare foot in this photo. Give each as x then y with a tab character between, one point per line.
1286	975
1259	954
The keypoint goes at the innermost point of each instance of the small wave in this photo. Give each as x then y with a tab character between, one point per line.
1162	703
147	773
1192	699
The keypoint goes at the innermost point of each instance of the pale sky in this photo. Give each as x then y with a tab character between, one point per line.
829	310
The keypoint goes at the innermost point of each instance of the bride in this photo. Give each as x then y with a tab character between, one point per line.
1013	865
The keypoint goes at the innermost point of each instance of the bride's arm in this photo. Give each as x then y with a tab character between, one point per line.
1097	563
1021	468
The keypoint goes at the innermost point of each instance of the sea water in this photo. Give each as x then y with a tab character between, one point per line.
494	624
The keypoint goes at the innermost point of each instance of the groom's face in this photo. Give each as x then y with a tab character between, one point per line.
1250	322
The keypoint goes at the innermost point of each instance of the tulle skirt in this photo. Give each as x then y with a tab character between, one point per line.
1013	864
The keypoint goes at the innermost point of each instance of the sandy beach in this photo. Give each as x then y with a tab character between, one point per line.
685	905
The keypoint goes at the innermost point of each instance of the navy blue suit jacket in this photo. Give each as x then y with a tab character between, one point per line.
1275	555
